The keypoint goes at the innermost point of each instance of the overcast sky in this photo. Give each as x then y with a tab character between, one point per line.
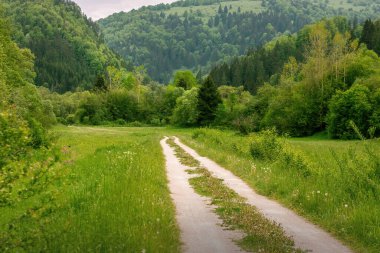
97	9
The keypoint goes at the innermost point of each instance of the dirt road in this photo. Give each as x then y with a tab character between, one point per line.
200	227
306	235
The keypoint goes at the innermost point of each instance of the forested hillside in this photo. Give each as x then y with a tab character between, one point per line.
68	47
24	118
320	78
266	63
196	34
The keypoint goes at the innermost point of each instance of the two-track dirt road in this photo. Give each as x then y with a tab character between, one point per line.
200	227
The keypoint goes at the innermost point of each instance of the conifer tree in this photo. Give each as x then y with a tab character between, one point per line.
208	101
100	84
367	34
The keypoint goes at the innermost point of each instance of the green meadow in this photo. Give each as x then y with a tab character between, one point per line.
108	192
111	196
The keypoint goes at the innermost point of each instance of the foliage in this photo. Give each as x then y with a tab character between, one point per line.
297	100
186	111
208	101
68	46
371	35
23	114
194	34
266	146
351	105
235	100
185	79
26	155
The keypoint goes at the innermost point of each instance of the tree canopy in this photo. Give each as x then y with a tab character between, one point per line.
197	34
68	47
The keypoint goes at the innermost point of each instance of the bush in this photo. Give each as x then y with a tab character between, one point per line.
244	125
198	133
156	122
38	134
375	118
122	104
92	110
351	105
14	137
70	119
293	160
186	111
266	145
120	122
135	124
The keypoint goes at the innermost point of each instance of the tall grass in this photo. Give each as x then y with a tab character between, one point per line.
333	183
113	197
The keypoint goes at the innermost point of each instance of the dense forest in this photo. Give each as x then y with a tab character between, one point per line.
68	47
265	64
197	34
321	78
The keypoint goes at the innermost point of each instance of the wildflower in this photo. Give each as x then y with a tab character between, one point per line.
345	205
253	168
318	192
326	194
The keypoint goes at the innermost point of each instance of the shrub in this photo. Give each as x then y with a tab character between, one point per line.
375	118
38	134
135	124
265	145
70	119
293	160
120	122
351	105
198	133
14	136
244	125
186	111
156	122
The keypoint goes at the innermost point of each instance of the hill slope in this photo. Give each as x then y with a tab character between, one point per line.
197	33
69	48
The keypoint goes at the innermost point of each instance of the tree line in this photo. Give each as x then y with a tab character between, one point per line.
325	80
320	79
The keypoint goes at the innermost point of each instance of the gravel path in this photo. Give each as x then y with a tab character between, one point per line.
200	227
306	235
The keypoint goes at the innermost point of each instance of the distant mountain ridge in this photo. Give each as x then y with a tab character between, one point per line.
195	34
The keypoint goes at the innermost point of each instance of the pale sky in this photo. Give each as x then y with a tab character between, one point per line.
97	9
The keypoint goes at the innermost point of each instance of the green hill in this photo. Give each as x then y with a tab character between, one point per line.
195	34
68	46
